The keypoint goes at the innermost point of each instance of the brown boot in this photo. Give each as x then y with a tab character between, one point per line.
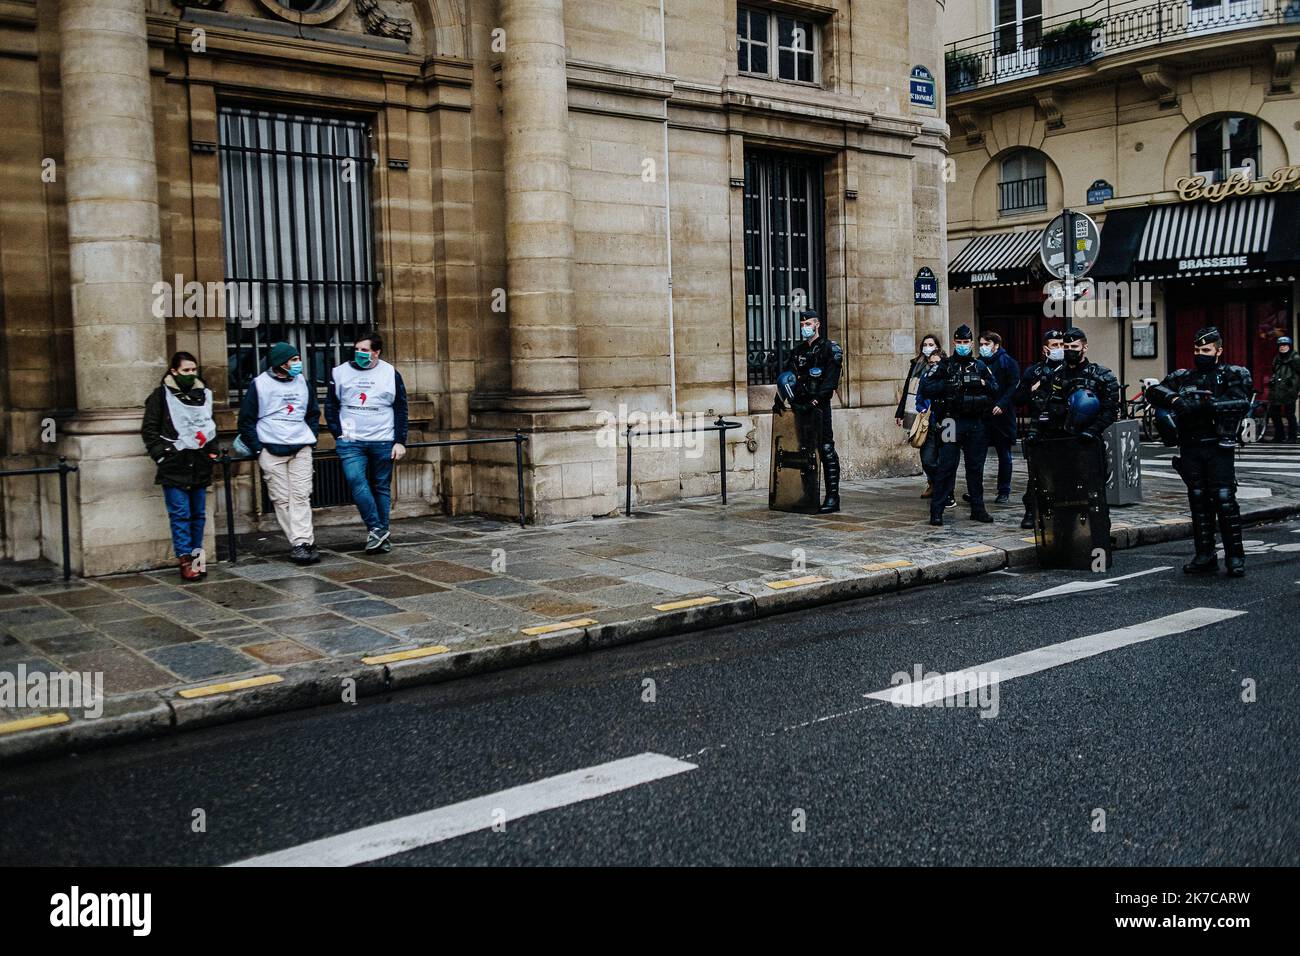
187	569
929	489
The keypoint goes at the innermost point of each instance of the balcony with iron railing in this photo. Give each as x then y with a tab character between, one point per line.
1049	44
1022	195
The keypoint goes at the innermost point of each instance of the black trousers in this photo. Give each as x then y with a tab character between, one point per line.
1281	411
969	439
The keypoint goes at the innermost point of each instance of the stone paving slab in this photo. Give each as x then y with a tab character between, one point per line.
467	594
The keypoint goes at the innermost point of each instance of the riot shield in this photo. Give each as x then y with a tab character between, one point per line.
796	469
1067	480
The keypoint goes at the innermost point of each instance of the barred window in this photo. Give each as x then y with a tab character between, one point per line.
297	236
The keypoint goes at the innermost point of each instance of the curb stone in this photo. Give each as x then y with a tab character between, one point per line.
156	714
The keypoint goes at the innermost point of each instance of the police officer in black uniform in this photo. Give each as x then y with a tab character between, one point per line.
1032	392
1208	403
816	362
1076	373
963	389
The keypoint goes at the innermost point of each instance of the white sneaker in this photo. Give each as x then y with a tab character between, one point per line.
377	540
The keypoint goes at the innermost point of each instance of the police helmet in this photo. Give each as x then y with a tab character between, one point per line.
1084	407
785	385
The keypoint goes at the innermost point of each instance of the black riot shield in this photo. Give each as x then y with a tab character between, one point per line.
1068	491
795	480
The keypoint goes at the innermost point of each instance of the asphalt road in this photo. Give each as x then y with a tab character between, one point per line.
770	752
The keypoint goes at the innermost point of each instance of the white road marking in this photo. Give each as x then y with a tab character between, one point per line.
481	813
1031	662
1073	587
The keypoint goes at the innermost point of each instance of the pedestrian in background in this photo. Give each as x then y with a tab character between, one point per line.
1000	423
278	421
176	430
930	450
908	406
365	411
1284	389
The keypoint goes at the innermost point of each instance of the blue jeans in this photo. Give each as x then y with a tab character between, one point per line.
368	467
187	509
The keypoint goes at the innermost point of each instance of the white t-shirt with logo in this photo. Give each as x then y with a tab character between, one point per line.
366	397
193	423
282	411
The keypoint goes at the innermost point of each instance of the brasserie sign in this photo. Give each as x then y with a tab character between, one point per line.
1191	188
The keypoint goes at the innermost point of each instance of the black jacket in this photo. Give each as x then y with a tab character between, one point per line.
816	369
1007	372
250	410
1202	419
1064	381
959	387
178	468
1025	392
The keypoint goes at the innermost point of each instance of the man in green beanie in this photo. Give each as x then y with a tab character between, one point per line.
278	421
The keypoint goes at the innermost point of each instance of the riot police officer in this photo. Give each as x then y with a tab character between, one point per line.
963	389
1032	392
1208	403
815	363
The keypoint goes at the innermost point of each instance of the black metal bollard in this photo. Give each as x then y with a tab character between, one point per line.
64	468
519	473
230	506
722	454
628	509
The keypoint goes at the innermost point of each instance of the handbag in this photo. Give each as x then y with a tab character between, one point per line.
920	429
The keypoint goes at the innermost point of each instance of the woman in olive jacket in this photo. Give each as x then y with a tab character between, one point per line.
177	430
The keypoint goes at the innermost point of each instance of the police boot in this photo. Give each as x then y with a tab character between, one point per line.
1205	561
808	503
1234	553
831	474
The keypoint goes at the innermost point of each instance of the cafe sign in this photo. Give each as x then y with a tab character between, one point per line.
1191	188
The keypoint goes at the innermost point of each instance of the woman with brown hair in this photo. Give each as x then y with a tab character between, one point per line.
177	430
907	410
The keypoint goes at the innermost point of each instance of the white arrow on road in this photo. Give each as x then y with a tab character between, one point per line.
1074	587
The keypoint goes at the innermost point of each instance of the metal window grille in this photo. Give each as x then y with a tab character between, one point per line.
785	268
1020	194
297	235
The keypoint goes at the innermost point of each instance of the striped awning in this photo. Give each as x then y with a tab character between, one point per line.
1205	238
1003	258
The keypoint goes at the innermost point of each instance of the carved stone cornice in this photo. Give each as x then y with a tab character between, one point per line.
381	24
1046	100
969	120
1160	80
1283	67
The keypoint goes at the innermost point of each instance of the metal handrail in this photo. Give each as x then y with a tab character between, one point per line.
721	426
61	469
225	459
979	60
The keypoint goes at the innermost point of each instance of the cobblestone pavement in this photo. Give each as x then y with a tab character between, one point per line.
450	580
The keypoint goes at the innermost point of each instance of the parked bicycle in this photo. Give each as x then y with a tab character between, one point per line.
1139	407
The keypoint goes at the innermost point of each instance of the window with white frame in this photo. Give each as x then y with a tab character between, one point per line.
1225	145
776	45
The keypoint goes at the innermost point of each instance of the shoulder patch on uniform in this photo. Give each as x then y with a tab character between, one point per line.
837	351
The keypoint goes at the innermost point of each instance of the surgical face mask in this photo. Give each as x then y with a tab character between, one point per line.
294	369
363	358
807	331
186	382
986	351
1056	355
1073	356
927	350
962	349
1205	363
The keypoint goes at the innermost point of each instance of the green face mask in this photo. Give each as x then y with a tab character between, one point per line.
186	382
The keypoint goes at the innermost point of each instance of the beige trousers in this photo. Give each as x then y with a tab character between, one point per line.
288	481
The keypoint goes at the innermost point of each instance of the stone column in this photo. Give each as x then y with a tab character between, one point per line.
113	233
539	209
114	247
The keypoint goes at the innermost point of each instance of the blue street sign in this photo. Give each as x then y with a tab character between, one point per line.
922	87
1099	192
926	287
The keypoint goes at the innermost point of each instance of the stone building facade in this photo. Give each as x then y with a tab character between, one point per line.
559	214
1175	126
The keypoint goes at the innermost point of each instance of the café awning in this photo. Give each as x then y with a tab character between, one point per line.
1248	235
1003	258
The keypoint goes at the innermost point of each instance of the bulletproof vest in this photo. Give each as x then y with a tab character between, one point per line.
814	367
1040	372
1061	383
965	392
1220	418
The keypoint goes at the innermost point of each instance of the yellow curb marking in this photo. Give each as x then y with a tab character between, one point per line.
973	549
225	688
886	565
559	626
794	582
32	723
405	655
690	602
1030	540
